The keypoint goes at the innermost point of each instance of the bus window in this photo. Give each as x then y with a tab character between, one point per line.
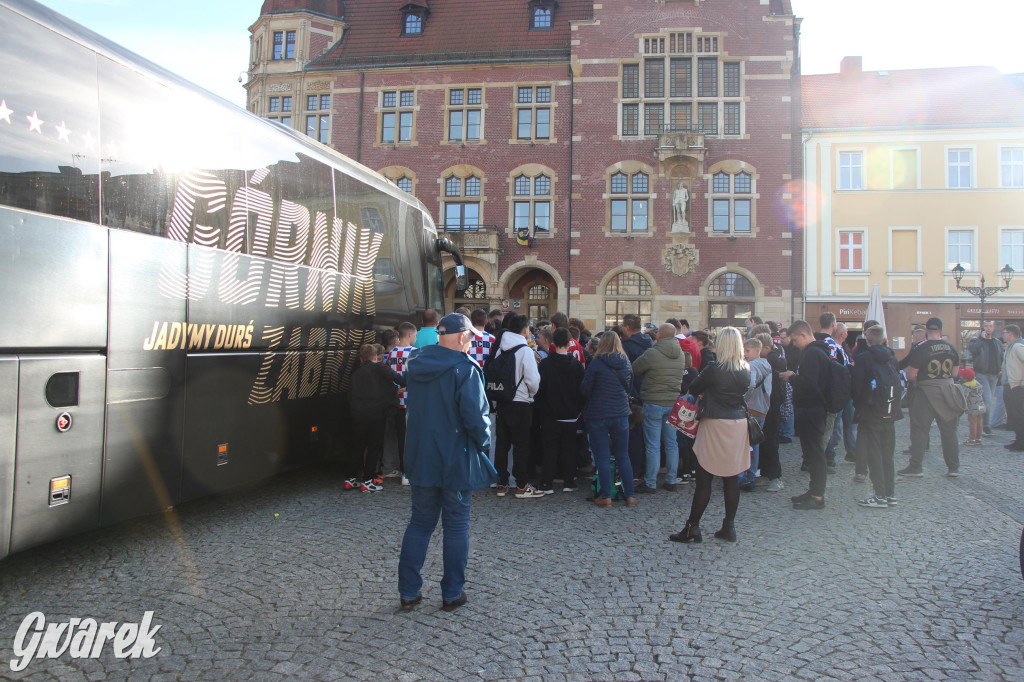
49	161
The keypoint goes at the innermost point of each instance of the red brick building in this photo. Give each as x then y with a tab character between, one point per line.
603	158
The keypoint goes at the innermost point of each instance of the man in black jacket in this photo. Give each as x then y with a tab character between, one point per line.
559	401
810	382
876	436
987	356
635	343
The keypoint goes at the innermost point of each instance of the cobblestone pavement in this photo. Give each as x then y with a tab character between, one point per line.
295	579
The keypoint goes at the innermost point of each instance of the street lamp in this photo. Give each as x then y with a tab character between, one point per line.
983	291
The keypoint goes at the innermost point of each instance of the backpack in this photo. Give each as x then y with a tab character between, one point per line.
885	393
838	393
500	383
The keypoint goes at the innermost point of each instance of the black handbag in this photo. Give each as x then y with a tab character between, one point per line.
755	434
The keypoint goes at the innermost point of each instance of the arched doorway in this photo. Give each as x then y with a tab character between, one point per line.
534	294
475	295
730	301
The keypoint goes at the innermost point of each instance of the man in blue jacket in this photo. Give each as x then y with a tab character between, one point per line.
447	441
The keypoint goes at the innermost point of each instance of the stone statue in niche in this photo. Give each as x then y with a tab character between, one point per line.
680	197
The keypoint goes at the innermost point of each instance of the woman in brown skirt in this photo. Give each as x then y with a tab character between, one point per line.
722	446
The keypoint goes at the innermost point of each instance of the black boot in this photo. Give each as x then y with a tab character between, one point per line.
728	532
689	533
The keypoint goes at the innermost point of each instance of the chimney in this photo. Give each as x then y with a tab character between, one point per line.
851	66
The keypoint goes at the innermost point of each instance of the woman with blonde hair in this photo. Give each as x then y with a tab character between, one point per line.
722	446
606	412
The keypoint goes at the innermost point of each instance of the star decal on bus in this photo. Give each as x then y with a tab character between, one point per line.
5	113
63	133
88	141
35	123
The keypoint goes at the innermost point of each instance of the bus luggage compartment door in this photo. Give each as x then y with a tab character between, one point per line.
59	447
8	429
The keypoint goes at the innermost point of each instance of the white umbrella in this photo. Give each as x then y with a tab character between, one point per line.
875	310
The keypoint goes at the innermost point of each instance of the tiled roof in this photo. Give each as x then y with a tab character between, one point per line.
455	31
328	8
969	95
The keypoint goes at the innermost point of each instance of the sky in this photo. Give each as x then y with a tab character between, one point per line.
207	41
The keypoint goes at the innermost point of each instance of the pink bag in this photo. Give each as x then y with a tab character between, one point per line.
684	415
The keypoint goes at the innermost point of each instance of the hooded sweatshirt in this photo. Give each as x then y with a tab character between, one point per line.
448	435
662	369
527	375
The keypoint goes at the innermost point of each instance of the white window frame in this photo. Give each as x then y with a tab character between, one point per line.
1000	164
973	161
973	230
863	249
839	169
1003	231
892	165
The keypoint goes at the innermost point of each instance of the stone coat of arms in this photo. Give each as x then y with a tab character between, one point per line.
680	259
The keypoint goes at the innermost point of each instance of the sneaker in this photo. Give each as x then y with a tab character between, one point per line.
569	490
775	485
987	431
953	474
830	468
892	501
911	472
528	493
671	487
379	480
644	489
394	473
809	503
350	484
874	502
800	498
785	439
859	478
370	487
501	490
546	491
405	481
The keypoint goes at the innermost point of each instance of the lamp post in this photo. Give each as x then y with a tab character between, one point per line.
983	291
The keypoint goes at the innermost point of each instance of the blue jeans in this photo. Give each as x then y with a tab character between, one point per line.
658	431
989	385
611	436
427	505
787	428
750	475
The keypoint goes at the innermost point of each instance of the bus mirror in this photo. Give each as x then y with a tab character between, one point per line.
461	278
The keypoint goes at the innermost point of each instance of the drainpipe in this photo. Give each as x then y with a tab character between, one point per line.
359	119
568	241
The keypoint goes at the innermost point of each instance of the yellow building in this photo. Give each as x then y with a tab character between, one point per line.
908	173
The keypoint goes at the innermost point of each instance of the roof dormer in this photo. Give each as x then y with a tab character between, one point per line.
414	17
542	14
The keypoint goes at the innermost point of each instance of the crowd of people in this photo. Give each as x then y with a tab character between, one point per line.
554	402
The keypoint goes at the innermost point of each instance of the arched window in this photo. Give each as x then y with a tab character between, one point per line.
627	293
732	202
542	17
404	184
730	301
477	290
462	197
413	25
628	202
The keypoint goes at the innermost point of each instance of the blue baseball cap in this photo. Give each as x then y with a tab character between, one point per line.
454	323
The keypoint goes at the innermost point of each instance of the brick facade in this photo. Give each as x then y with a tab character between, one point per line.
582	64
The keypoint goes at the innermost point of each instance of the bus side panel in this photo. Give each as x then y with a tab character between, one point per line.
146	362
8	433
55	283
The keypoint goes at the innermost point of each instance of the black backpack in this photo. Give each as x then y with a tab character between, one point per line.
838	393
884	391
500	382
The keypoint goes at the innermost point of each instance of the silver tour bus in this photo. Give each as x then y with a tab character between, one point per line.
184	285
